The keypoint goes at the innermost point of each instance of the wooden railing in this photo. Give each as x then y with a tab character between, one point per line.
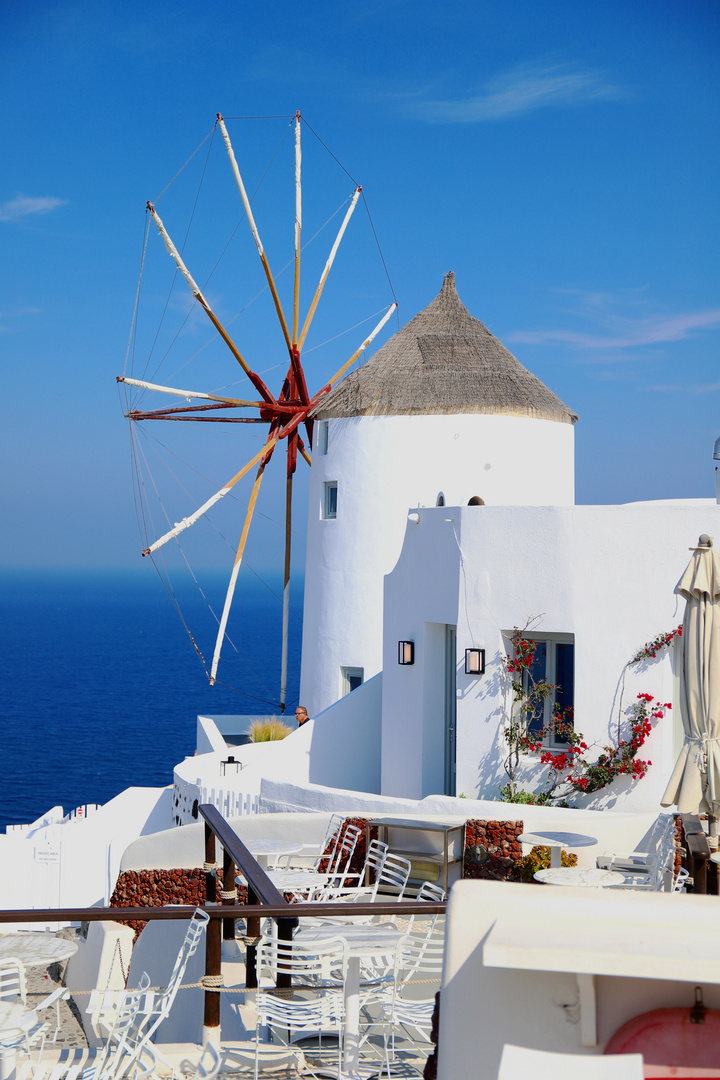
696	856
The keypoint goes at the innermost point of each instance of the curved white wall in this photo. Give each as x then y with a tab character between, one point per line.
384	465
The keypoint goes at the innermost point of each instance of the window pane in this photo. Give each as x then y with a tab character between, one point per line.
536	674
330	499
323	437
565	676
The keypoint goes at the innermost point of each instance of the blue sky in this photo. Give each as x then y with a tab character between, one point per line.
561	158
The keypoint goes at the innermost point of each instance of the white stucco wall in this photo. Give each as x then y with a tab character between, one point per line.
383	465
75	863
339	748
176	849
605	574
484	1007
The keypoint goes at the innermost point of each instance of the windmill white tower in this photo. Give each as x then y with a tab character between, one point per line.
442	414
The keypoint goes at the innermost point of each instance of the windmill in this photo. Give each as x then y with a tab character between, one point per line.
286	413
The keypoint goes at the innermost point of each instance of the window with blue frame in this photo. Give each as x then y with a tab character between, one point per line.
554	662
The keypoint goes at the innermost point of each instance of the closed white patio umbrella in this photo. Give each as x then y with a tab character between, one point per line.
695	783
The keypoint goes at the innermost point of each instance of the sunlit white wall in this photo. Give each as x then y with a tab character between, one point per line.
384	465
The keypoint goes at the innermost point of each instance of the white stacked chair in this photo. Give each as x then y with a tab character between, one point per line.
124	1056
313	1007
428	893
651	869
152	1009
408	1000
13	989
311	882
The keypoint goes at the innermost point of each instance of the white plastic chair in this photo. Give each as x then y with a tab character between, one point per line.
650	870
681	880
314	882
313	1006
13	988
520	1063
660	848
428	893
124	1057
153	1007
375	857
326	850
409	1000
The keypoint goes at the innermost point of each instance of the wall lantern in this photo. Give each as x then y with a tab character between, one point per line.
230	766
474	661
406	652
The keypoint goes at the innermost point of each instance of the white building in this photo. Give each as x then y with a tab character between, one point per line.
598	580
443	413
432	438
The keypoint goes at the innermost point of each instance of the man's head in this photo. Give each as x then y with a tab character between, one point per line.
301	714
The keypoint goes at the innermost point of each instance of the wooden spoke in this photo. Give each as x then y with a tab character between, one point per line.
195	289
187	394
188	521
254	230
286	592
298	231
328	266
235	571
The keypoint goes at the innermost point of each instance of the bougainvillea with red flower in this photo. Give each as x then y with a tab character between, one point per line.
568	770
650	650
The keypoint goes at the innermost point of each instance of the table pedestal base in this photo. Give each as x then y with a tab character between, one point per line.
8	1059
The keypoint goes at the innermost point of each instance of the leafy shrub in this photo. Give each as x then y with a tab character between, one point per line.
539	859
530	798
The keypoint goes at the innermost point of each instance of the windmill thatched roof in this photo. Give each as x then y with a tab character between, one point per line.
443	361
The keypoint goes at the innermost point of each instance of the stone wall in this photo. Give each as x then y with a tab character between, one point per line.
155	888
498	838
504	850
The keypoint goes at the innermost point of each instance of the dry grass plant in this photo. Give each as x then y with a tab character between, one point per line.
268	730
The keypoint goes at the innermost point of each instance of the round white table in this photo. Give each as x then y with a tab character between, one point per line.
292	880
33	948
364	943
262	850
557	841
588	877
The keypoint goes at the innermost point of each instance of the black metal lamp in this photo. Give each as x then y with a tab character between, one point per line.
474	661
406	652
230	766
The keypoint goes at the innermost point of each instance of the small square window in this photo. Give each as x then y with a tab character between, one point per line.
330	494
350	679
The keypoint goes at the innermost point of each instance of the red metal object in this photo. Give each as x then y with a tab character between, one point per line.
669	1037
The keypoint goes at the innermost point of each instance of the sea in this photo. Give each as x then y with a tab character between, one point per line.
101	685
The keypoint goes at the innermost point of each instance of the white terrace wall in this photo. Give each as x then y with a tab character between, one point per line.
382	465
605	574
76	864
177	849
529	995
614	831
340	747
